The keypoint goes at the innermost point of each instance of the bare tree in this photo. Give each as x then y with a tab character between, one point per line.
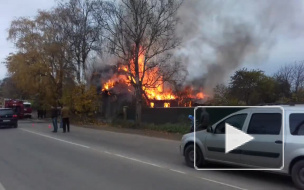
82	33
298	76
285	73
142	34
292	74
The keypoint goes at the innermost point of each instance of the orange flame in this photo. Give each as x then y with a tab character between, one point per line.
108	85
166	105
153	84
200	95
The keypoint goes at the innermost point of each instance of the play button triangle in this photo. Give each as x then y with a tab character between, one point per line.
235	138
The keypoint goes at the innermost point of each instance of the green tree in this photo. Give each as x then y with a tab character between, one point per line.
9	89
41	64
253	87
283	89
83	101
222	97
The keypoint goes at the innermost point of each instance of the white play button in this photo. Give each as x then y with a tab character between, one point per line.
235	138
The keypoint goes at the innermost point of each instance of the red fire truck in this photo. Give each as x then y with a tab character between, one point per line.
27	109
16	105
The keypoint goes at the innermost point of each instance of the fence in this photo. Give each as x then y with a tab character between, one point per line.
178	115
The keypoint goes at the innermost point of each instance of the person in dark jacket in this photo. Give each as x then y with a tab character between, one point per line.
54	115
204	120
38	113
44	113
65	119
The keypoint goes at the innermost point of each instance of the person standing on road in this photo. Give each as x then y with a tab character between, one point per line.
44	113
65	115
54	119
38	114
191	118
60	117
204	120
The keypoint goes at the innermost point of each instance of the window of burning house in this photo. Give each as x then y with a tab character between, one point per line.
166	105
152	104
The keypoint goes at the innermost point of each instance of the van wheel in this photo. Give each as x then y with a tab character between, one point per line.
189	156
297	174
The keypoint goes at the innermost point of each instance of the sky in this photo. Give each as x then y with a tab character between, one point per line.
222	36
285	50
10	10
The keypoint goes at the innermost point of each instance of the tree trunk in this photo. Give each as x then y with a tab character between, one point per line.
61	73
78	72
138	88
138	106
83	72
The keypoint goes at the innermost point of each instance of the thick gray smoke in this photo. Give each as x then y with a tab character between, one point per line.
220	36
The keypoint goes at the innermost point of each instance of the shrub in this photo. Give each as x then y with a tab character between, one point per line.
180	128
82	101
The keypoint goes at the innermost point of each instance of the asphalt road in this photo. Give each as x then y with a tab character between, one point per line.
33	158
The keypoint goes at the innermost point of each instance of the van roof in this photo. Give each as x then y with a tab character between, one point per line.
298	107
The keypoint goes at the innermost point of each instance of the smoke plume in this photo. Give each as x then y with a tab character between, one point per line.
220	36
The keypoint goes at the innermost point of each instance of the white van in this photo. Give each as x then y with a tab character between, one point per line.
265	151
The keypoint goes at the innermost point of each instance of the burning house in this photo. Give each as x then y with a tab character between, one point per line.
116	86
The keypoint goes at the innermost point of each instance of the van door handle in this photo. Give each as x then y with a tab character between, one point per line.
278	142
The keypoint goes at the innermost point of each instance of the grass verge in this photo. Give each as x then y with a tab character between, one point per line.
179	128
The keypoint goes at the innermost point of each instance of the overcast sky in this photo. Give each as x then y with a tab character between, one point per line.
10	10
285	50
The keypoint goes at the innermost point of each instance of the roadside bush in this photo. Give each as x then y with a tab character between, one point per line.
169	127
82	101
180	128
123	124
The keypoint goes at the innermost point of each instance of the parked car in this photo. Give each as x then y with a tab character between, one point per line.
16	105
265	151
8	118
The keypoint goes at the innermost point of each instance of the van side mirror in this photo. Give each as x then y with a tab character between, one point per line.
209	129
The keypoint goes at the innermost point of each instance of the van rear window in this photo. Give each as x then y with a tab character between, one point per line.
6	112
265	124
296	123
